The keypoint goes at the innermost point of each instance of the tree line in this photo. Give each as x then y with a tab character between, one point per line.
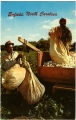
42	44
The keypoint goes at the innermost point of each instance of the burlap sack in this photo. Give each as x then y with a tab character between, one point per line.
31	89
13	77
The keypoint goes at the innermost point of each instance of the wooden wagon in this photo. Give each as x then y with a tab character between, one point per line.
63	78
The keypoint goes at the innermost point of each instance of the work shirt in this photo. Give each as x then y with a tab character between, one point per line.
9	60
58	51
66	35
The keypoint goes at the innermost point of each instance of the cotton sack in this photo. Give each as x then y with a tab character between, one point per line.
31	88
13	77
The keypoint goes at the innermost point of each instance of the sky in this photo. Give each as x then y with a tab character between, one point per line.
34	27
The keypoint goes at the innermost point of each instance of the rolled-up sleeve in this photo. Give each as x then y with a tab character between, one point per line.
8	64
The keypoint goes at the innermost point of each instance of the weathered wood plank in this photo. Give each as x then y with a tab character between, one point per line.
63	87
28	44
57	74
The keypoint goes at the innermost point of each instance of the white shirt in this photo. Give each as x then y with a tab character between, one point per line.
9	60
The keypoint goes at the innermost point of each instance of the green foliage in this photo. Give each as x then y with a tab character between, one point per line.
13	106
34	43
41	44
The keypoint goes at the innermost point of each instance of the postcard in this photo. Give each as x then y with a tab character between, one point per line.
38	59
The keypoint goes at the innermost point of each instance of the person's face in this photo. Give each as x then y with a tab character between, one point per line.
10	48
63	23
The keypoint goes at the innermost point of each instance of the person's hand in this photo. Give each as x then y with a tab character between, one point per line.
19	56
51	33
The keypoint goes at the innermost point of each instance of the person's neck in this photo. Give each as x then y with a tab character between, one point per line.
9	52
63	26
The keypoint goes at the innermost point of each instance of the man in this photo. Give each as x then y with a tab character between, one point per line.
11	57
30	87
62	33
60	39
66	33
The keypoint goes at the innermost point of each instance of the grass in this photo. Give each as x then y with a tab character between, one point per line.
60	106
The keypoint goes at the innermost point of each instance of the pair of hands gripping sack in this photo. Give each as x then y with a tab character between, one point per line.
24	80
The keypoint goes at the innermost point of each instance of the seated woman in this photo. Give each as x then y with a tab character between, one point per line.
19	75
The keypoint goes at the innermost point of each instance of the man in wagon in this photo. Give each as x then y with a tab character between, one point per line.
60	40
66	33
18	75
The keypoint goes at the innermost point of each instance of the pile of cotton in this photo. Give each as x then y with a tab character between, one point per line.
71	63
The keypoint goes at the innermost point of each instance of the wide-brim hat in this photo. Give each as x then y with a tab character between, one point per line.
9	43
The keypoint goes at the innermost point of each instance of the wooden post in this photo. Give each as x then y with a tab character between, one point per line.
39	59
28	44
